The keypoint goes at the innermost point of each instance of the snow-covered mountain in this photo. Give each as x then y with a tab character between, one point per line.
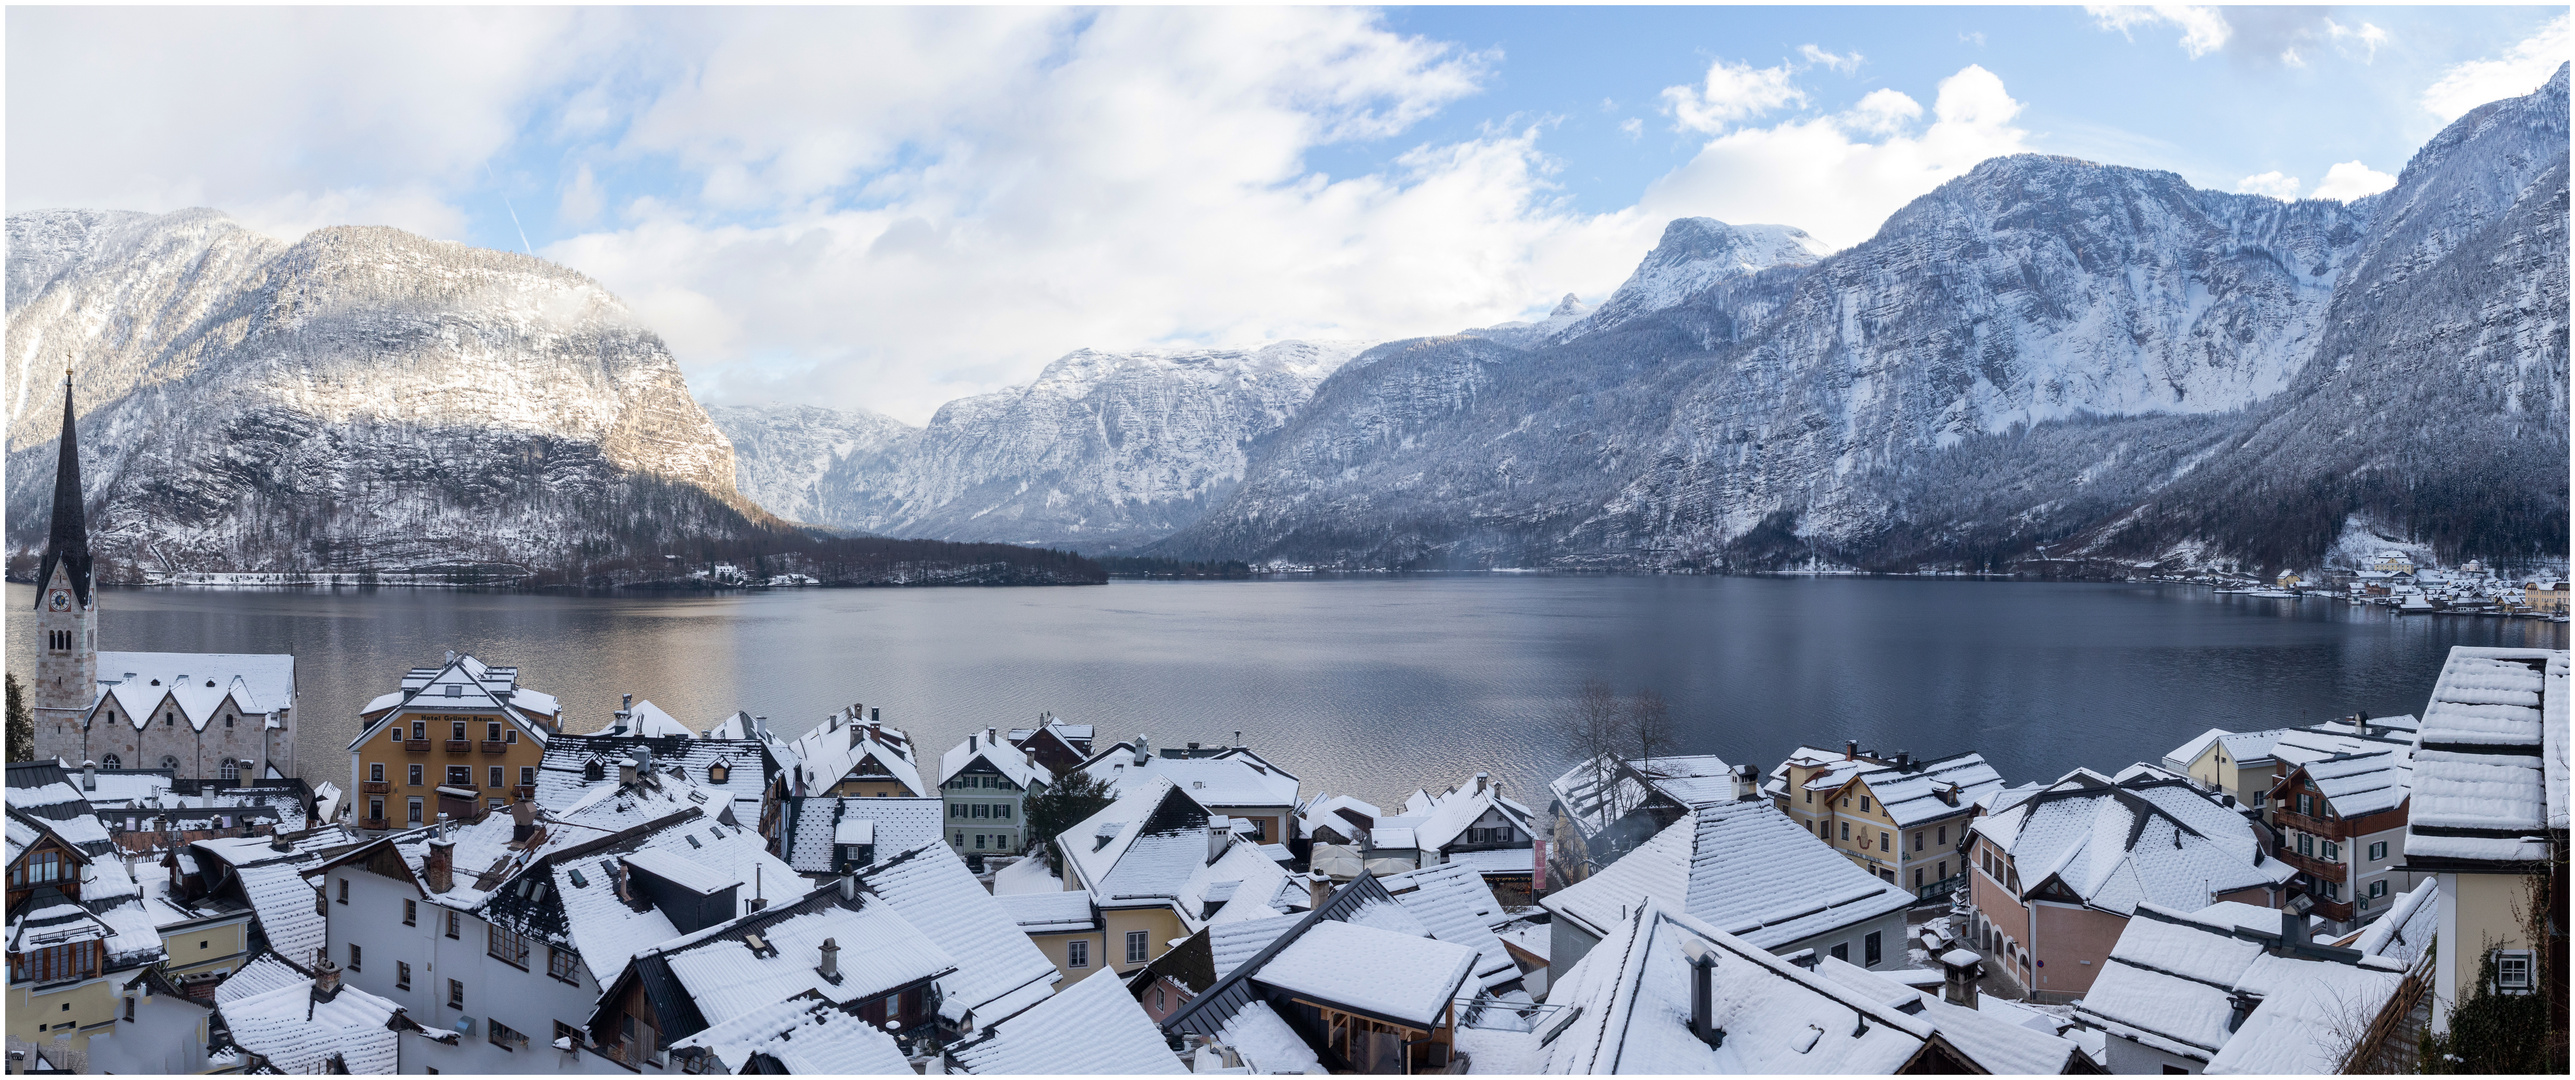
1103	451
782	452
1694	255
361	397
2021	357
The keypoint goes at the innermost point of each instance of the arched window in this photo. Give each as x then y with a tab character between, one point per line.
169	762
231	770
111	761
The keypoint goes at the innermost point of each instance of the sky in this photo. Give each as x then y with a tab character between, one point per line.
890	208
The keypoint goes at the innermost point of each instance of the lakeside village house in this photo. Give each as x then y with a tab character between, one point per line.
493	894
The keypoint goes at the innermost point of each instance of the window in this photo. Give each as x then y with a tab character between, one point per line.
375	772
2306	803
1941	870
982	811
230	770
1135	947
1824	829
2512	971
129	1010
507	947
411	913
1917	877
1943	834
961	839
396	735
956	810
2259	797
2377	889
460	776
1870	950
567	1031
456	730
527	776
2332	851
111	761
415	807
1846	830
353	956
419	731
1864	802
979	841
1917	840
491	732
455	994
344	890
402	975
496	778
1003	812
563	964
2306	844
1885	842
2378	850
1810	796
452	921
375	809
1077	953
510	736
1842	952
415	776
502	1036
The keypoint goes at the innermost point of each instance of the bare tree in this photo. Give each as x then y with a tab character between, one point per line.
1595	730
1649	729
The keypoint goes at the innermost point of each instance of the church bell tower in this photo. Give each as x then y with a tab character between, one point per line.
66	596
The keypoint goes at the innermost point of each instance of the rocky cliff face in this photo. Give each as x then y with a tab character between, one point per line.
781	453
2024	357
1102	452
362	398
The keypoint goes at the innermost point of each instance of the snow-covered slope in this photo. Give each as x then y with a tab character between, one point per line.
362	397
1694	255
2024	354
1102	451
782	452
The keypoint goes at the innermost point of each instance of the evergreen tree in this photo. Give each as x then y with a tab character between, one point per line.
22	724
1061	806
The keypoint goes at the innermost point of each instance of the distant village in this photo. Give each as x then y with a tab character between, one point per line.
2392	579
2348	894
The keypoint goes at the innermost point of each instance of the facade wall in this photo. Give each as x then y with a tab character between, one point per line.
2477	917
518	759
986	812
529	1001
66	679
1159	925
205	950
1566	944
1272	820
2073	944
167	739
1853	941
165	1036
79	1009
2130	1057
2381	871
1057	948
873	787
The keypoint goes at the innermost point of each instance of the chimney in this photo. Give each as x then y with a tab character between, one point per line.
89	776
1850	749
246	774
2293	929
1143	751
1480	780
876	716
1238	738
326	980
626	773
829	969
1318	890
440	866
1747	782
451	656
1959	971
849	888
2360	723
992	736
1904	759
1703	970
522	821
1220	831
276	842
643	757
1193	746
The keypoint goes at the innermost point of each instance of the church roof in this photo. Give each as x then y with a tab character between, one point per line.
67	545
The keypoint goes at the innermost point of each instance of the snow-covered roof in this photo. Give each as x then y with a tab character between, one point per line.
2171	982
298	1033
2310	1013
262	974
1745	868
2407	927
644	718
806	1036
464	684
730	969
1930	790
1266	1042
1457	906
1631	1001
197	686
1346	816
1454	811
2362	784
736	769
1093	1028
1049	912
1233	778
932	889
813	826
840	746
2179	758
1592	802
1230	944
1689	779
273	883
1384	973
2117	845
2002	1044
1018	765
2489	774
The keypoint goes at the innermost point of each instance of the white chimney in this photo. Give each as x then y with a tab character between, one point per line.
830	967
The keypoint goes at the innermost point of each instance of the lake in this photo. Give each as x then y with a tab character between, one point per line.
1374	686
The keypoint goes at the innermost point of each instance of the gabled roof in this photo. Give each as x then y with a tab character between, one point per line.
1455	904
199	687
1399	977
1453	811
2356	785
298	1033
1093	1028
1229	777
1929	790
2172	979
1050	912
463	686
1743	867
1019	765
2114	846
568	896
562	777
1998	1044
2490	774
2179	758
996	962
644	718
839	746
802	1035
1630	1000
265	972
811	827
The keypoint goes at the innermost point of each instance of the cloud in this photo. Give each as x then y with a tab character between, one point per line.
2204	29
1733	92
581	199
2351	180
286	117
2366	37
1840	176
2289	57
1634	127
2520	70
1845	64
2275	184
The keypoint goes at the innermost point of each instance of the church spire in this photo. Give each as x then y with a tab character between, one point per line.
68	546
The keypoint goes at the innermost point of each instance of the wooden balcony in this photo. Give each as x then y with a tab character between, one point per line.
460	746
2319	869
2291	819
375	787
416	746
374	823
494	746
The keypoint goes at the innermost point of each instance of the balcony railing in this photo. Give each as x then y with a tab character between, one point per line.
1941	888
2291	819
417	746
2314	867
375	787
374	823
459	746
494	746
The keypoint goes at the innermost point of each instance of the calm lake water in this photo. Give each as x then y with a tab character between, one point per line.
1377	686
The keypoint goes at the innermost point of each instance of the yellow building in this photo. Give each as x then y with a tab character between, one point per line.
2547	596
1898	818
1127	858
64	962
458	739
1065	927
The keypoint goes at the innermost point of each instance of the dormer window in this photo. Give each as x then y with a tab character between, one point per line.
716	773
454	690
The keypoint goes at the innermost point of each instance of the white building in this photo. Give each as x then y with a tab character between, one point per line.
986	784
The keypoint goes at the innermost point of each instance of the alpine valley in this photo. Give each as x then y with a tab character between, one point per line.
2045	365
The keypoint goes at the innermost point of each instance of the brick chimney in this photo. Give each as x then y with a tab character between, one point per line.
1318	890
326	980
522	821
440	865
1850	749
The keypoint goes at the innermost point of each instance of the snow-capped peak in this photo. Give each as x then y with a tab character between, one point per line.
1694	254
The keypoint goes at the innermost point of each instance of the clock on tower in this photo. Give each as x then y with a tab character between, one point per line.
61	600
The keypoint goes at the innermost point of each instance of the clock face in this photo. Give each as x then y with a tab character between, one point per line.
62	601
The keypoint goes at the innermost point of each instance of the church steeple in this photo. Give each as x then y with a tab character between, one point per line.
68	546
